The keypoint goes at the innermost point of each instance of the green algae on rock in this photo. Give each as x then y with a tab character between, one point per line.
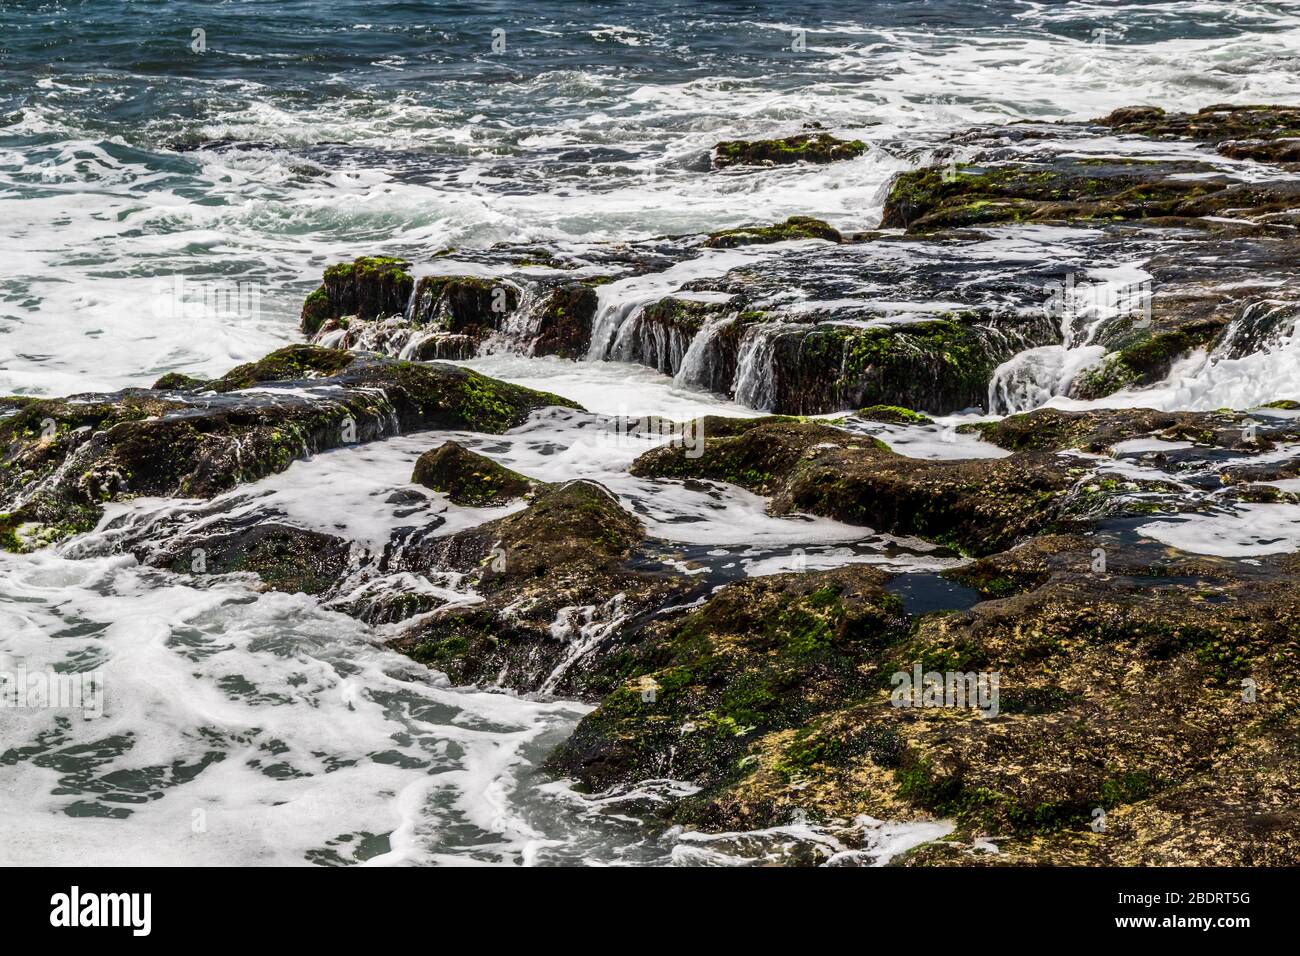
1268	133
1096	430
995	189
774	699
369	287
564	323
803	148
795	227
892	415
760	657
60	459
1069	189
467	478
285	558
977	505
558	595
1143	363
942	364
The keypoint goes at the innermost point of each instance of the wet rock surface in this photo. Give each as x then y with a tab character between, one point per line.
803	148
1146	670
796	318
558	595
467	478
64	458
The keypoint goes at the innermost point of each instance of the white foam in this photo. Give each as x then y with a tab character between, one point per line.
1247	530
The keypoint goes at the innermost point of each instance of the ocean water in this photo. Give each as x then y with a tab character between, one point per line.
174	176
392	125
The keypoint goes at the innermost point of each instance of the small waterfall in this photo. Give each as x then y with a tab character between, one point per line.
333	339
1035	376
520	326
1261	324
619	301
646	342
419	304
611	314
756	370
582	629
1257	362
1031	378
414	343
700	365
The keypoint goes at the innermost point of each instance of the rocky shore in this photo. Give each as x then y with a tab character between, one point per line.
1146	659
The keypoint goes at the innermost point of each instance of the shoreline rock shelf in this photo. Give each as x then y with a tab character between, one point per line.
1137	677
815	321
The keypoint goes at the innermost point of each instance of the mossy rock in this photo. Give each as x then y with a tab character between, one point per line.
13	403
1096	430
287	559
1119	692
462	304
761	656
564	325
942	363
142	442
292	363
979	506
803	148
179	382
467	478
1065	189
1222	125
795	227
369	287
892	415
1143	362
554	577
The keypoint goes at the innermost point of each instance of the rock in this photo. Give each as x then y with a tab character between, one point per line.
60	459
660	334
1229	295
284	558
1220	125
1096	430
559	599
1122	692
892	415
803	148
176	382
1277	151
979	505
467	478
942	364
1066	188
795	227
564	323
290	364
1117	693
462	305
1143	363
760	657
449	316
368	288
442	346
